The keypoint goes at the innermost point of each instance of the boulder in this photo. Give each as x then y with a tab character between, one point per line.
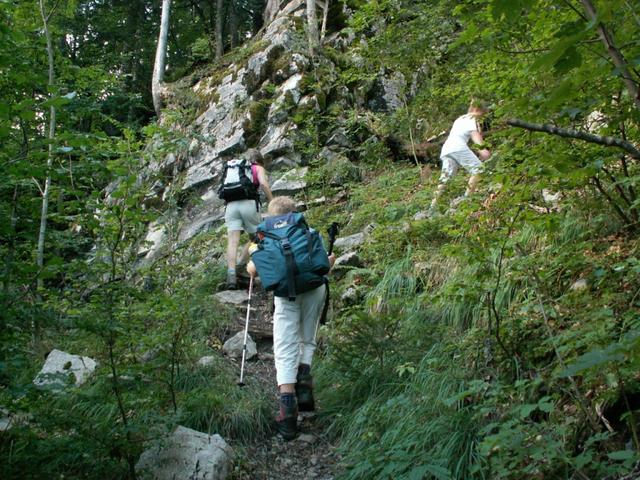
285	162
186	455
232	297
276	141
340	139
291	182
350	296
153	241
61	366
579	285
387	93
350	242
206	361
233	346
349	259
204	218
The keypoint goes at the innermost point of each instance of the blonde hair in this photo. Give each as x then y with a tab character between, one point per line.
281	206
479	106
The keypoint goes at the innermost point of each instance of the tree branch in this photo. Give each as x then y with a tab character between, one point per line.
615	54
579	135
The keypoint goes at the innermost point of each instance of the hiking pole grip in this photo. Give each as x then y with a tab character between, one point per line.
333	233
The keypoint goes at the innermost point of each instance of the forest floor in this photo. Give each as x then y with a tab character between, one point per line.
312	454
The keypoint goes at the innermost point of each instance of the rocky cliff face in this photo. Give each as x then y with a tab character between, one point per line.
262	102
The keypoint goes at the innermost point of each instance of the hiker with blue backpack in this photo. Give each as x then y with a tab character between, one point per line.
291	260
240	187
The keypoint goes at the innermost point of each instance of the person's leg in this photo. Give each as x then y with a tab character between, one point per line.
233	221
311	309
472	164
472	185
449	168
233	239
286	319
251	218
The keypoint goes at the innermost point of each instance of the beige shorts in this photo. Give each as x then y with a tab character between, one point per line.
454	160
242	215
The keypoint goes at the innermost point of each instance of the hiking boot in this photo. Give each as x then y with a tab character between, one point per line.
287	419
232	283
304	389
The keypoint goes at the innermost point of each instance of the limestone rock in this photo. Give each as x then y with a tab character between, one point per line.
339	138
285	162
233	346
291	182
276	141
187	455
579	285
349	259
203	218
153	241
232	297
350	242
350	296
60	366
206	361
387	93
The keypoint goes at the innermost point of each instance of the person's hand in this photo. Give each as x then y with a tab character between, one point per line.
251	270
484	154
332	260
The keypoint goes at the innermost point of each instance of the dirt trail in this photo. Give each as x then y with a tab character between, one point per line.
309	456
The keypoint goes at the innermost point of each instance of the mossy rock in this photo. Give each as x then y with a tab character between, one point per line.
256	124
339	170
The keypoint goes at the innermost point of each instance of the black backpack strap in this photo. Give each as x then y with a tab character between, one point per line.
291	265
327	297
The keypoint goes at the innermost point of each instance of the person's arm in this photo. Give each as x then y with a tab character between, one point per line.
484	153
251	269
263	180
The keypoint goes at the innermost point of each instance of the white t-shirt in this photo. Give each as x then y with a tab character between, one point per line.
460	134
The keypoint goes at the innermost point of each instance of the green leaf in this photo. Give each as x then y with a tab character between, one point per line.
558	51
622	455
594	358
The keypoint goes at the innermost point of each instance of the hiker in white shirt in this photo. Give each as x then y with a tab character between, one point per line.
456	152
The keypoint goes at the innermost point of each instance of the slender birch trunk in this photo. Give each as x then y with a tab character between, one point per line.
50	135
615	54
161	56
312	25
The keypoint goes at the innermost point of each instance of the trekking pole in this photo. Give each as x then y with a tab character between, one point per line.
246	333
333	233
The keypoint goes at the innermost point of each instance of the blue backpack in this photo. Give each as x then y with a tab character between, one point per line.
290	257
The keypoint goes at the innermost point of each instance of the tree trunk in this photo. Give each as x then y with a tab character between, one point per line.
233	25
312	26
161	55
271	10
219	26
50	135
615	54
325	15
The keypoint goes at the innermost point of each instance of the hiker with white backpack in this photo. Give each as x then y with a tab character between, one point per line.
240	187
291	260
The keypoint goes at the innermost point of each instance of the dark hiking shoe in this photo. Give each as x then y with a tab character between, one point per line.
304	389
287	419
232	283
